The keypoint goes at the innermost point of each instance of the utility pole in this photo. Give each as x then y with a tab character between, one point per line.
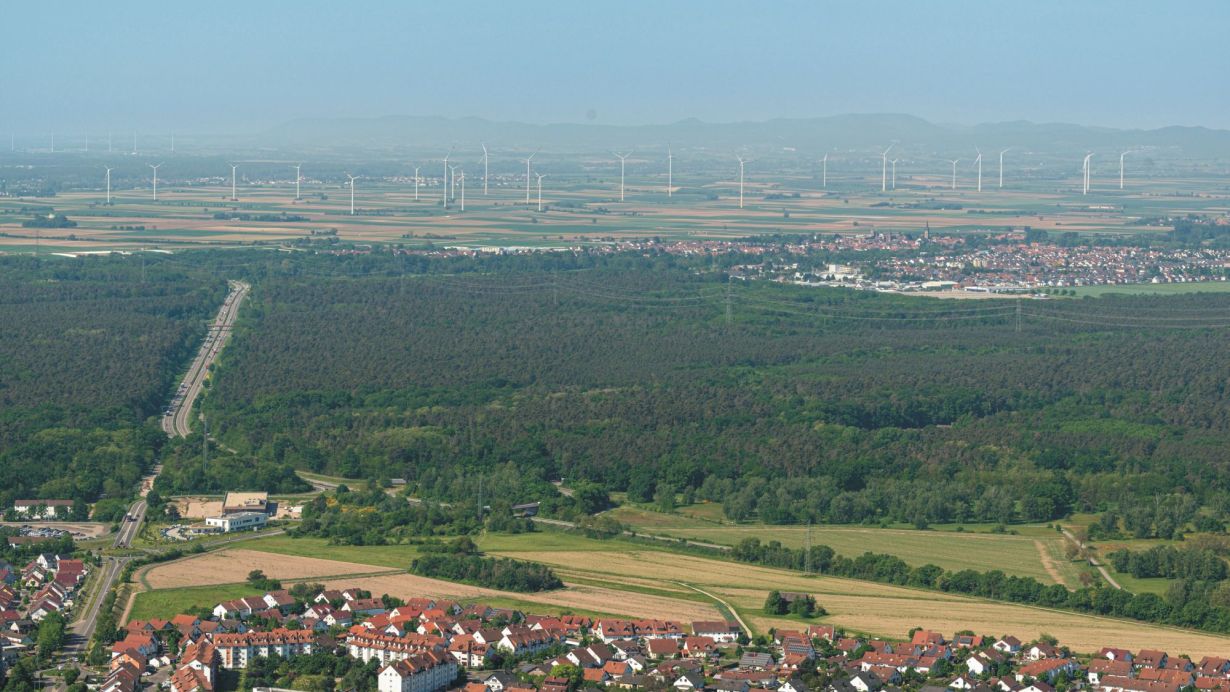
204	444
1018	315
728	287
807	549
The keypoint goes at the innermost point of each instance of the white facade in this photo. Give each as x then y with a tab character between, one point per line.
238	522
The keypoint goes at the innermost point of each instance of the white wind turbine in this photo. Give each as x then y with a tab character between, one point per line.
741	162
234	167
452	182
540	177
979	162
622	160
463	190
824	171
884	169
444	179
1121	168
108	186
894	163
1087	167
1001	165
484	146
670	172
155	167
954	172
527	176
416	183
298	177
352	179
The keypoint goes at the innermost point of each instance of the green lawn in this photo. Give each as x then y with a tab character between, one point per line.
165	603
397	556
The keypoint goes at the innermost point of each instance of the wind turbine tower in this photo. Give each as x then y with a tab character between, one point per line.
452	182
108	186
352	179
540	177
297	179
1001	166
979	162
954	172
416	183
670	172
884	169
484	146
1087	167
894	163
622	160
155	180
824	172
444	179
463	190
234	167
1121	168
527	177
741	162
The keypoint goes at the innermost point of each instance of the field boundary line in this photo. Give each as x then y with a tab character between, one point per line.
750	632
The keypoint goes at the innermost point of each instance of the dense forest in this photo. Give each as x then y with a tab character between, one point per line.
88	353
787	404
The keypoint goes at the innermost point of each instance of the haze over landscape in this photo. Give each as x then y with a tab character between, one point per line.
552	347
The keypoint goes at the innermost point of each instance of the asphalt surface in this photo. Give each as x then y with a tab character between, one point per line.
178	422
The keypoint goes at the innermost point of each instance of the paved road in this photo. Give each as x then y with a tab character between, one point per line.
178	422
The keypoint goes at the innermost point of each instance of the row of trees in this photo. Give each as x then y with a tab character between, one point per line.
495	573
1171	562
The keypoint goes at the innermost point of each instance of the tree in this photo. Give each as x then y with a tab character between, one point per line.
50	635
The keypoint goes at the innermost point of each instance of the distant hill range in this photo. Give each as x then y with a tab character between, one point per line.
862	133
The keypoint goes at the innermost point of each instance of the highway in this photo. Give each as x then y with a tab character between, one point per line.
174	423
177	421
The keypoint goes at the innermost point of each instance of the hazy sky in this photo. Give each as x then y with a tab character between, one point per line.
224	66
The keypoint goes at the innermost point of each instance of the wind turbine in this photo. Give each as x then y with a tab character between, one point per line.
622	160
824	171
416	183
527	176
484	146
1087	167
297	179
463	190
234	166
670	172
894	162
884	169
352	179
741	162
444	179
1121	168
979	162
954	172
540	177
1001	166
108	185
155	180
452	182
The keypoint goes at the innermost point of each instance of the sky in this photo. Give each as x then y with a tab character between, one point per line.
241	67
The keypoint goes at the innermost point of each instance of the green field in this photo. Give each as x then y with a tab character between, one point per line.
165	603
1013	554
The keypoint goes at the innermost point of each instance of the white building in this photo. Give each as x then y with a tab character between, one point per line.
238	522
426	672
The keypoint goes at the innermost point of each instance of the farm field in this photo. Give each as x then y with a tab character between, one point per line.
634	580
1159	289
582	210
233	565
1038	553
